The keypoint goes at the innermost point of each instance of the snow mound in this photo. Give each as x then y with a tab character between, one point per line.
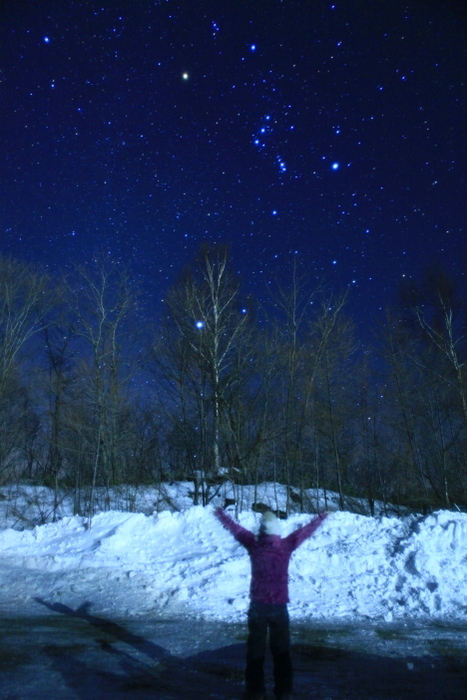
354	565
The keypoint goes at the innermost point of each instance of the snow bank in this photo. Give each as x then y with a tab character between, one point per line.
135	564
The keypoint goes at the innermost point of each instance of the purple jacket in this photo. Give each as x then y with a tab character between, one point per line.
270	556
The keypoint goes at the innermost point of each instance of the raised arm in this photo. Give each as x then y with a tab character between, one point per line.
296	538
241	534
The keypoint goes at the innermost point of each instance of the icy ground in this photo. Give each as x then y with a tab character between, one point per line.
181	561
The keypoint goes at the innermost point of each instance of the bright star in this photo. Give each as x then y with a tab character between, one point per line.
335	166
185	76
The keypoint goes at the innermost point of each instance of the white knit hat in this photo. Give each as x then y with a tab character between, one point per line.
270	524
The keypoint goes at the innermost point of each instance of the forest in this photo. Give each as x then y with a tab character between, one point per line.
96	392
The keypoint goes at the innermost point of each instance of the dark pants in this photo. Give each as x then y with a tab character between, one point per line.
262	616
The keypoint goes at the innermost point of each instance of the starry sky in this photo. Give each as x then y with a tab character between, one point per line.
330	133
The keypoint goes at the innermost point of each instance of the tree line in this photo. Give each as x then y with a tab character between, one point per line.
95	394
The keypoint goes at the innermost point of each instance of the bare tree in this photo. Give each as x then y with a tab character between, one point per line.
56	390
309	325
205	356
435	322
25	299
404	383
439	315
103	303
19	431
337	390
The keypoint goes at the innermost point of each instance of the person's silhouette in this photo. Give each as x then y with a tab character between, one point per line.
270	555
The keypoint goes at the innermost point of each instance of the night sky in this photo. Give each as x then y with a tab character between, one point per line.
332	133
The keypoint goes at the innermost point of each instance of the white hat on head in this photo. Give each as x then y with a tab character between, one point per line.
270	524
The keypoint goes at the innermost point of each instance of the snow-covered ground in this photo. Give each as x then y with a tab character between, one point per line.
180	560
